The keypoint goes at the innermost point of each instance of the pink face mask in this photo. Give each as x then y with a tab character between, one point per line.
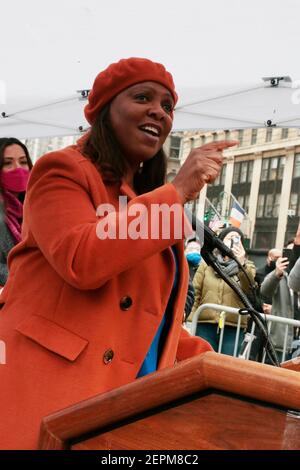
15	180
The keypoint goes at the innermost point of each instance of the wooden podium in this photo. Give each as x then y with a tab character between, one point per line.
292	364
211	401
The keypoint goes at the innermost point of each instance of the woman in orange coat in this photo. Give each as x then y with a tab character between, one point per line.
93	299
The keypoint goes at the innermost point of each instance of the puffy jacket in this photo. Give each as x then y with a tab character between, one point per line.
210	288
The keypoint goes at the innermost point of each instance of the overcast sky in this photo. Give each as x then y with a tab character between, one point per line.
60	45
49	49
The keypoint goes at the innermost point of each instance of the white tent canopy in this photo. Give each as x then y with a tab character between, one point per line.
217	51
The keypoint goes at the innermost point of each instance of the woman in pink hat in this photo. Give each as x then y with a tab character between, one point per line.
15	164
96	293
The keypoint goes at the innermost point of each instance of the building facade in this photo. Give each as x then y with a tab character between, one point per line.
262	173
39	146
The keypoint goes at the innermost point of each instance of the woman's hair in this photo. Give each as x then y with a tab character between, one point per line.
6	142
103	149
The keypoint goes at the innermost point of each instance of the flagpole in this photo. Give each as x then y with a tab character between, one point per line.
235	200
213	207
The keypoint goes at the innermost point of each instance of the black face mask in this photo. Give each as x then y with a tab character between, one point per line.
272	266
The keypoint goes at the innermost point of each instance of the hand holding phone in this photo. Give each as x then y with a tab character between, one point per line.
287	253
281	266
235	241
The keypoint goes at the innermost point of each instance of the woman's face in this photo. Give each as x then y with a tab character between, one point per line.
141	117
14	157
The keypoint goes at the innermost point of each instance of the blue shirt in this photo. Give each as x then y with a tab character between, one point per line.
151	360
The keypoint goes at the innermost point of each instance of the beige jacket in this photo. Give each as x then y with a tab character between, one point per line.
210	288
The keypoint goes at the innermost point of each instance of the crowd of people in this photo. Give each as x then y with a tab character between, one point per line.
84	309
277	284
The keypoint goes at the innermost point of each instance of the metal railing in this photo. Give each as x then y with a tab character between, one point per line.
249	336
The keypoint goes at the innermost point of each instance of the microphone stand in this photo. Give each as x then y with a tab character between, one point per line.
210	243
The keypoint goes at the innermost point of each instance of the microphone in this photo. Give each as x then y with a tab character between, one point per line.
210	242
209	238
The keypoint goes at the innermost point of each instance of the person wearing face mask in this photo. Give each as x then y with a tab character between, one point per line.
211	288
193	255
15	164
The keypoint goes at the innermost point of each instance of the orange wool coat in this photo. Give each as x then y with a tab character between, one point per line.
79	313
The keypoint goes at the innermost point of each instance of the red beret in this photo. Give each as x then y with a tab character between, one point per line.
121	75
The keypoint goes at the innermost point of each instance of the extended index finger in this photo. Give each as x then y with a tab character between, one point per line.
220	145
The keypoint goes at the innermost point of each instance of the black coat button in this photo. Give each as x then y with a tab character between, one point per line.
125	302
108	356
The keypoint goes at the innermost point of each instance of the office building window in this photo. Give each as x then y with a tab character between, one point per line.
284	133
269	205
223	174
281	166
175	147
244	170
253	136
264	239
276	205
250	171
240	137
269	134
272	168
236	173
260	205
246	203
295	204
264	169
296	172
